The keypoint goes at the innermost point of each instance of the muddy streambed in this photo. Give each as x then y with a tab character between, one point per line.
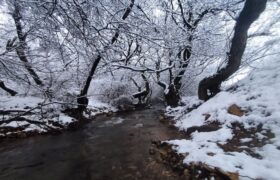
113	148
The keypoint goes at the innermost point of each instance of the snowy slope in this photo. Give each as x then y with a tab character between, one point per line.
252	147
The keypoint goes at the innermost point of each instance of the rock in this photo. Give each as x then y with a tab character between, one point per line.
21	135
139	125
152	151
110	113
233	176
207	116
185	154
186	173
158	158
174	159
123	103
27	107
227	175
161	118
211	154
129	176
236	110
132	167
156	142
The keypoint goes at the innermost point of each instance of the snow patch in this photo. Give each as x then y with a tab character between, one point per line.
64	119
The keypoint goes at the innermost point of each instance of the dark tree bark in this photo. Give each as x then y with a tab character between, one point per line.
172	97
186	59
142	95
10	91
82	100
210	86
172	94
21	48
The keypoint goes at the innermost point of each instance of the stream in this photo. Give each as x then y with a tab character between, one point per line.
109	147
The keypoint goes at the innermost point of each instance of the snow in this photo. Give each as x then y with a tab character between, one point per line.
221	136
258	95
139	125
33	127
16	124
119	121
97	107
65	119
189	102
96	103
18	103
113	122
244	140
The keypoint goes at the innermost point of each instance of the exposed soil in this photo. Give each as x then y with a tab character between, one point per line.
164	152
195	171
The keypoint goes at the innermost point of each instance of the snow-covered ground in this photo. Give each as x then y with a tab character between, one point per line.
246	141
28	115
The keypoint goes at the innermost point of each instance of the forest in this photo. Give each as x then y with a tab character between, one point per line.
139	89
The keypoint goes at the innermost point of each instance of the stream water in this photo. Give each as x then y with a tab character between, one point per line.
113	148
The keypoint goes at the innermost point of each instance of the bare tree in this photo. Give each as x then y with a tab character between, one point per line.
142	94
166	44
22	45
187	19
82	99
210	86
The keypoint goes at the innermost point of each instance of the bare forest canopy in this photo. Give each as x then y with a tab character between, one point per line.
69	50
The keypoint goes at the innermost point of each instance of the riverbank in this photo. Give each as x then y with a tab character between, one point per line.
30	116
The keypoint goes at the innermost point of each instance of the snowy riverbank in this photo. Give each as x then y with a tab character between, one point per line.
25	116
238	130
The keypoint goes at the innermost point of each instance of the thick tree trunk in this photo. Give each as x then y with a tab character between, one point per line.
172	96
21	48
210	86
185	63
82	99
10	91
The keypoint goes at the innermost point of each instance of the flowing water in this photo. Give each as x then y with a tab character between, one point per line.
113	148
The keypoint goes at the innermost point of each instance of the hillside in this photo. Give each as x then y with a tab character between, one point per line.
238	130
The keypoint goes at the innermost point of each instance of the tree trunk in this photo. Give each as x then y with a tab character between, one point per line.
210	86
21	48
10	91
186	60
142	96
82	99
172	97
